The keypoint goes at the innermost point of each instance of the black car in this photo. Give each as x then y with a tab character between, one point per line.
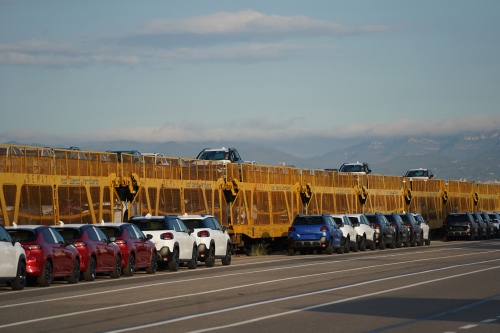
384	232
416	233
484	230
490	224
402	234
460	225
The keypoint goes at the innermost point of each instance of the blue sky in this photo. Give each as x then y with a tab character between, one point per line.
247	70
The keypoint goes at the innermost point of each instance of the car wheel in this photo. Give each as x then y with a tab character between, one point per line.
45	279
117	272
355	247
153	266
362	244
227	259
20	281
340	249
412	240
75	274
329	247
210	259
91	272
173	261
193	263
428	241
129	268
381	242
399	243
346	244
421	240
373	244
407	243
393	244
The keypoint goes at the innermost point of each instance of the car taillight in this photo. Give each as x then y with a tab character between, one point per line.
291	229
120	242
395	225
203	233
167	235
324	228
79	244
408	225
377	226
32	247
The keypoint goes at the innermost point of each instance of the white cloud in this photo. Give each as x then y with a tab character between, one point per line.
246	36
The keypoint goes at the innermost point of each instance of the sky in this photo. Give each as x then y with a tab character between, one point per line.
256	71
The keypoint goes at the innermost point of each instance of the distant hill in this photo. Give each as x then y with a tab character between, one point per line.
466	157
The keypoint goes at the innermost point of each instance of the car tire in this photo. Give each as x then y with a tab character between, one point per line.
210	259
20	280
115	274
355	247
362	244
193	263
227	259
91	272
129	268
393	244
45	279
421	241
399	243
329	247
173	261
381	242
373	244
428	241
346	244
340	249
412	241
75	273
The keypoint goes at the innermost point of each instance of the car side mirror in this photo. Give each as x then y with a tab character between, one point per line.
15	240
111	239
68	241
224	229
149	236
190	231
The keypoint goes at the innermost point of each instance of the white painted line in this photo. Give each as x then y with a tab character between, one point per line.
466	327
489	320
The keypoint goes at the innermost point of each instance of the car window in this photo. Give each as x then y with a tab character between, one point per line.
92	234
4	235
138	232
57	236
216	223
48	236
131	232
182	226
23	235
347	221
100	234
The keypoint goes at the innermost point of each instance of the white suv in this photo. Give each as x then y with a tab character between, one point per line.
212	239
174	243
349	235
425	228
12	261
365	232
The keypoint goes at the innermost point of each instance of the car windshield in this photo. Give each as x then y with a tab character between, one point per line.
69	232
457	218
312	220
196	224
352	168
151	225
216	155
417	173
23	235
338	220
110	231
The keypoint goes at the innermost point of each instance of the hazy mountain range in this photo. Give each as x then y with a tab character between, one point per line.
460	157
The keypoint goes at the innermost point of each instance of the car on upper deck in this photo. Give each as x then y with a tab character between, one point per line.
12	261
357	167
419	173
174	243
223	155
314	232
212	239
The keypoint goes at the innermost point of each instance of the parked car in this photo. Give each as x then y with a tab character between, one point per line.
416	233
402	232
314	232
212	239
98	254
357	167
426	230
490	224
350	236
384	232
366	234
13	261
495	219
136	249
48	254
419	173
484	230
174	243
461	225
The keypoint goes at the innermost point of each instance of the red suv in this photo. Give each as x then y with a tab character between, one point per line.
48	255
98	254
137	251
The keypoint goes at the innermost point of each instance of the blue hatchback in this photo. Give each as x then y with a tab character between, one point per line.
314	232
